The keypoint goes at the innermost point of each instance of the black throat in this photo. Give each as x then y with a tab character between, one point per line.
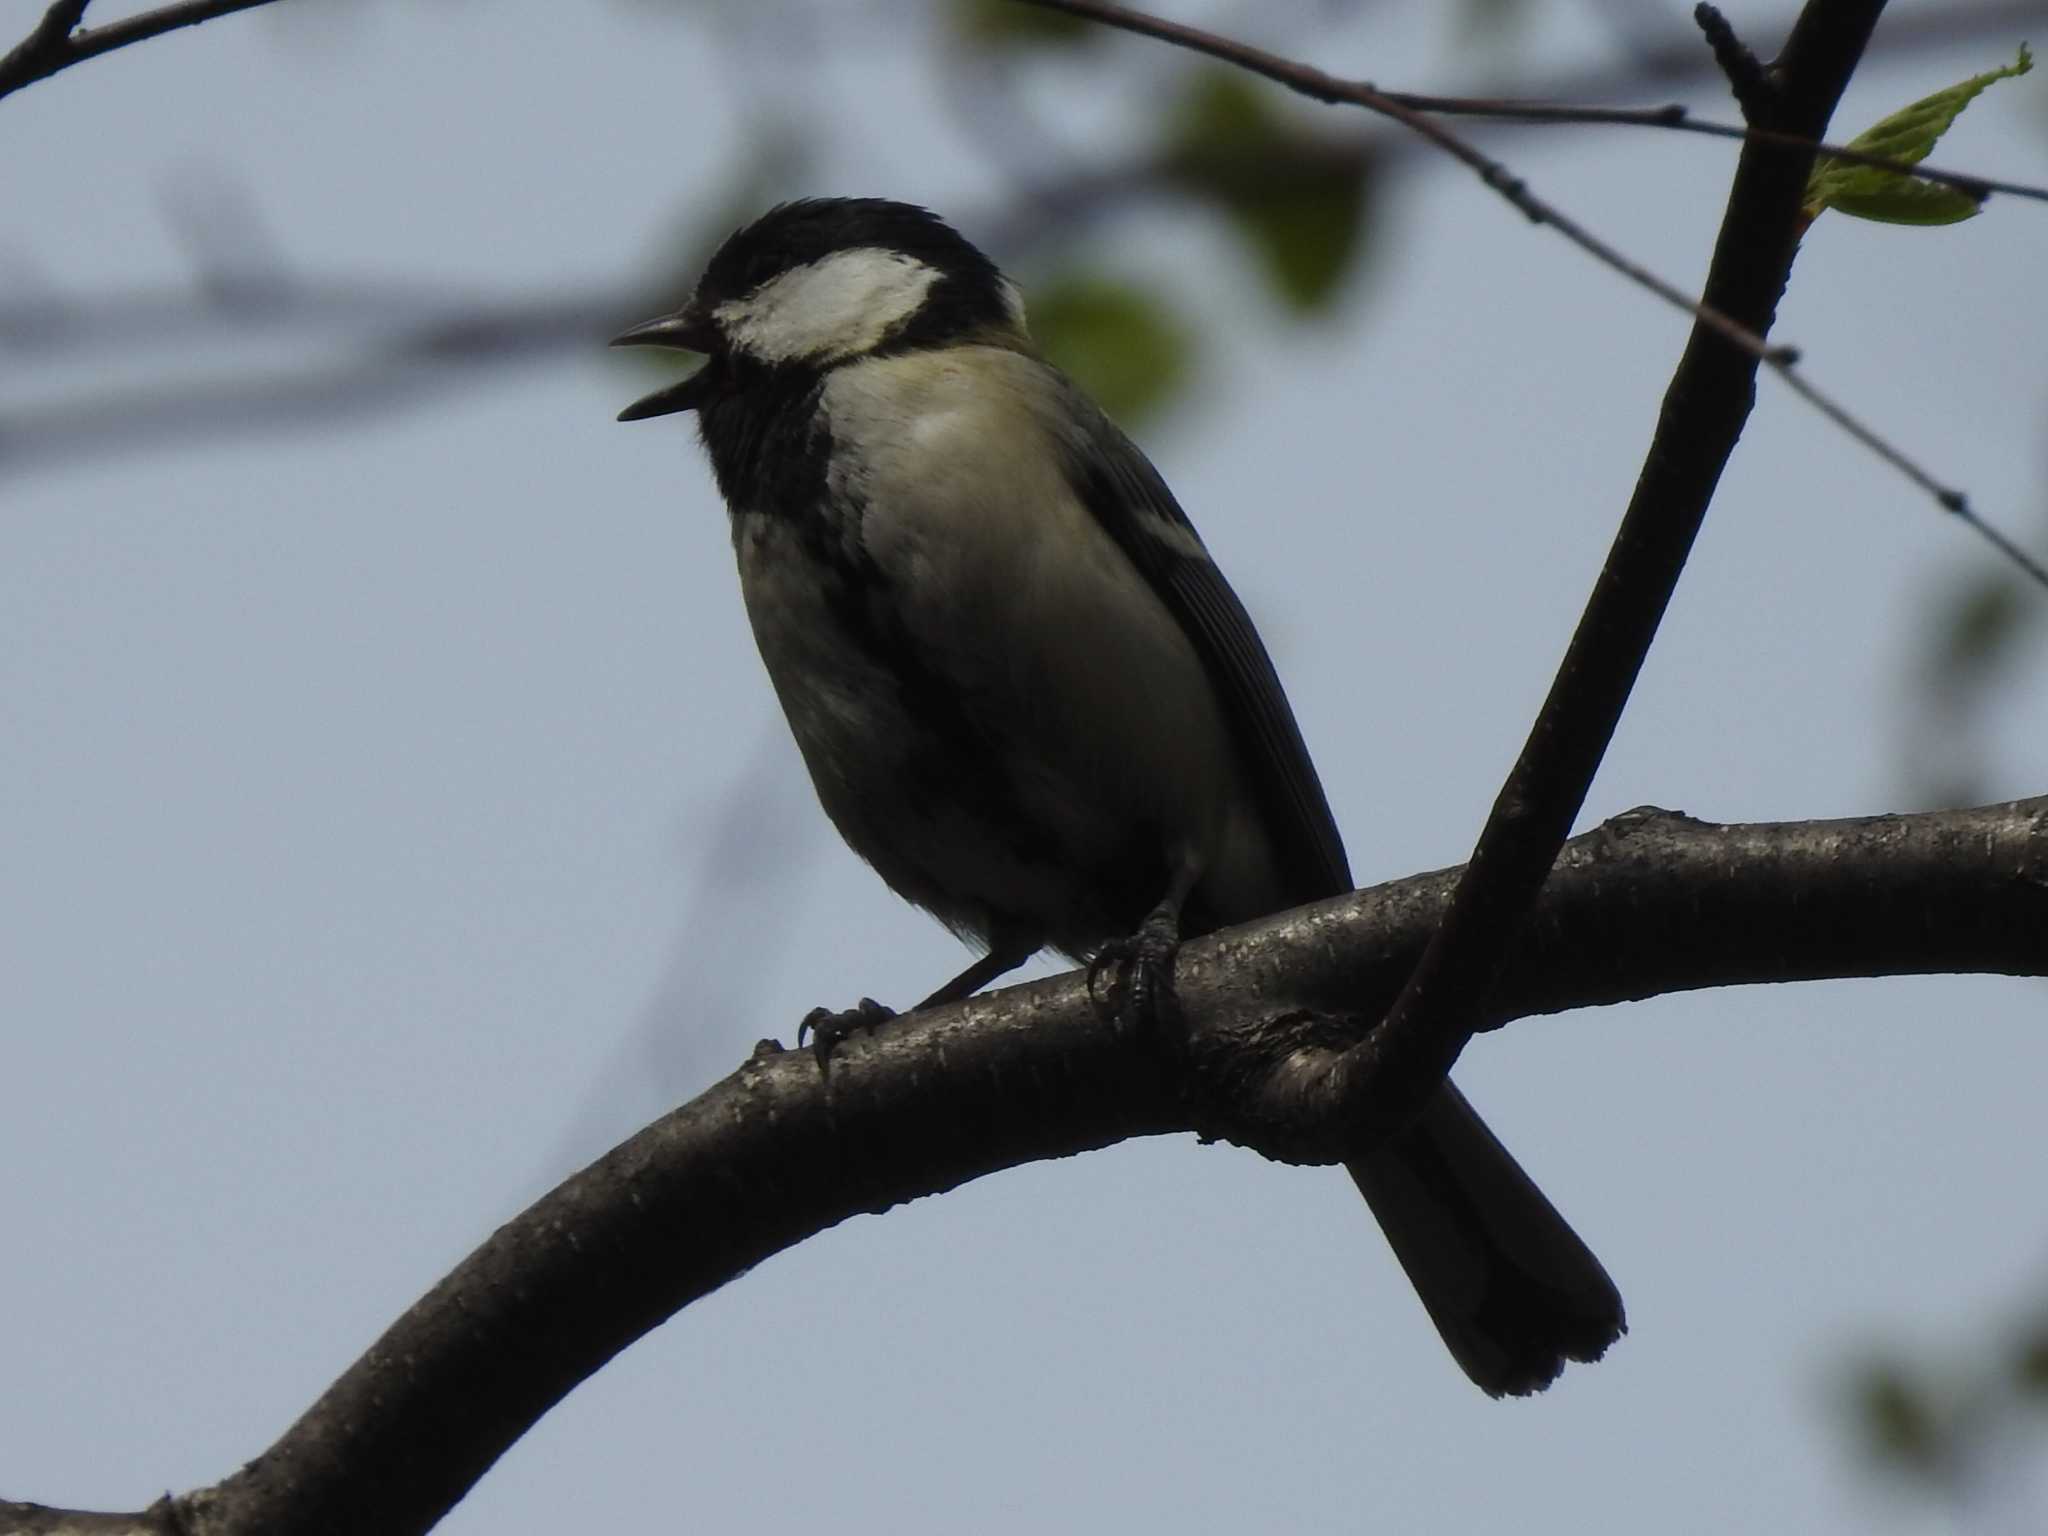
766	435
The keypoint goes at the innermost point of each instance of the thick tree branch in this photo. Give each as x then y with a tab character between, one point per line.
1704	410
43	1520
57	43
1652	902
1705	407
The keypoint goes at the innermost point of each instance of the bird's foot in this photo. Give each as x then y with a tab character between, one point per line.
1139	971
828	1030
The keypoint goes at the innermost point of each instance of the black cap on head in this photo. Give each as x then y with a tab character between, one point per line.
866	276
796	234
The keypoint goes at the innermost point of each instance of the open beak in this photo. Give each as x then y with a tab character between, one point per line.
685	331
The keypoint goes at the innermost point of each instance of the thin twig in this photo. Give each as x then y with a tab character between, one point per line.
1677	118
1411	112
1674	117
57	43
1950	498
417	356
1052	211
1314	83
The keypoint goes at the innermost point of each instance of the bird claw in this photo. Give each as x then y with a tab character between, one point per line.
829	1029
1140	995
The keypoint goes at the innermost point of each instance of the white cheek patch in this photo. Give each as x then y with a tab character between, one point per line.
838	306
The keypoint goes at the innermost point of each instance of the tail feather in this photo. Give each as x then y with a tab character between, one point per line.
1509	1285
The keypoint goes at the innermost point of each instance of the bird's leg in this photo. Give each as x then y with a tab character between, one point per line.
1145	959
1006	952
827	1029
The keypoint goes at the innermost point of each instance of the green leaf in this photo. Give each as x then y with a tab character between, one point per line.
1308	242
1978	626
1867	192
1298	199
1120	343
1901	1423
1490	19
2030	1363
1006	24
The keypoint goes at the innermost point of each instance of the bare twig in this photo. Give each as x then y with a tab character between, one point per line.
1950	498
376	378
1651	903
1670	63
1410	111
419	355
1672	116
57	44
1677	118
1319	86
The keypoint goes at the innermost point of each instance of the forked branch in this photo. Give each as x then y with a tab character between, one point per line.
1651	903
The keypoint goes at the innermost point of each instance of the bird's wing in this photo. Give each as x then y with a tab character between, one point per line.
1119	486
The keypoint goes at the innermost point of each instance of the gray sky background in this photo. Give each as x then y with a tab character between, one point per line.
366	859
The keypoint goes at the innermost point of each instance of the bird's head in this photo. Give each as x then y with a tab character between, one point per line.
814	284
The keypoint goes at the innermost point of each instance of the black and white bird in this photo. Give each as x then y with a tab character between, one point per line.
1027	696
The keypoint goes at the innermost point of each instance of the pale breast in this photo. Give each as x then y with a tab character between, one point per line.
1103	721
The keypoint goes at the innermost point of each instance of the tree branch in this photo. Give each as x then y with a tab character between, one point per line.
1320	86
1705	407
1412	112
1652	902
1736	63
370	381
1386	1078
43	1520
416	358
1673	117
57	43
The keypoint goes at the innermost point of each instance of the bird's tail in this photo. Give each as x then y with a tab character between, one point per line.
1507	1282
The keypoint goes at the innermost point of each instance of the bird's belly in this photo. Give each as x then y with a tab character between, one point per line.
1021	742
909	779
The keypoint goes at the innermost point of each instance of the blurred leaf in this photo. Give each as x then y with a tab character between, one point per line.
1978	627
1484	19
1297	198
1308	242
1123	345
1867	192
1006	24
2030	1363
1900	1423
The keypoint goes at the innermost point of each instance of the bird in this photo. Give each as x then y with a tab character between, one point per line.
1027	696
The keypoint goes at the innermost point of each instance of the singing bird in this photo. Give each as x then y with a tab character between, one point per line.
1027	696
